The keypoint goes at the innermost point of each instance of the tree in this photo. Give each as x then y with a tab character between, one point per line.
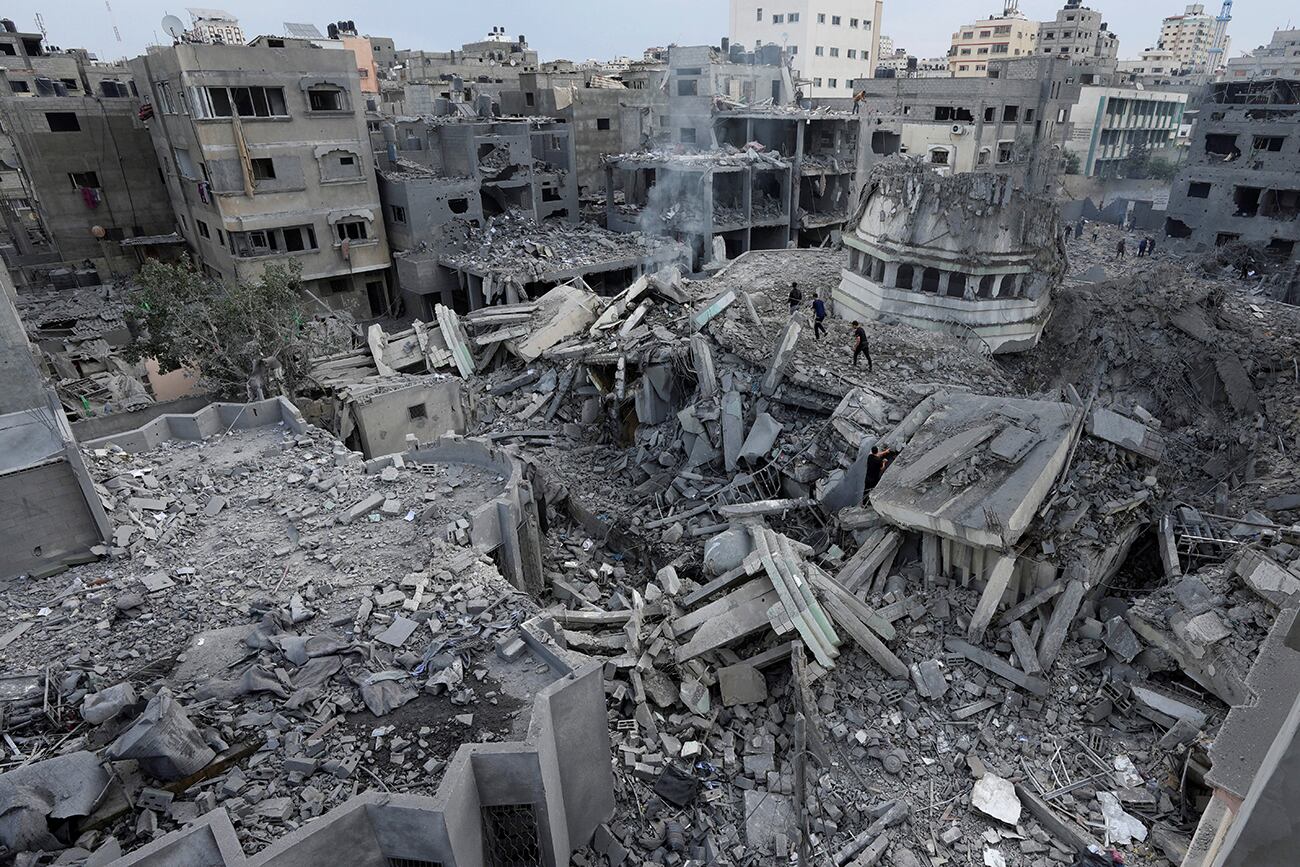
231	335
1071	163
1138	162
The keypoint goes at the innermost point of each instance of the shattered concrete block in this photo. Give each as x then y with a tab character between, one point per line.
741	684
100	707
994	796
163	740
762	436
1271	581
929	679
366	506
1121	827
214	506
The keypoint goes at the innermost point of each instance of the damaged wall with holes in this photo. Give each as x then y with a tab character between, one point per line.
1241	182
962	254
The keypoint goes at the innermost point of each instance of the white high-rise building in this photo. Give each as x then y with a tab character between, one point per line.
1189	38
215	27
832	42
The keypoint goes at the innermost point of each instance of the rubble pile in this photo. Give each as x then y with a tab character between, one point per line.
267	599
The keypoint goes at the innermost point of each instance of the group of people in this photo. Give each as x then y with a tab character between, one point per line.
1146	247
860	347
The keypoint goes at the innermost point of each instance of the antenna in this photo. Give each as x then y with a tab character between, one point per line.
112	20
174	27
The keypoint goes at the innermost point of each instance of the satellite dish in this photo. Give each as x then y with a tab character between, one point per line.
173	26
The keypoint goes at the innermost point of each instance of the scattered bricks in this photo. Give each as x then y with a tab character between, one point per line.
391	506
343	769
214	506
365	507
154	799
300	765
1098	710
275	809
389	598
147	504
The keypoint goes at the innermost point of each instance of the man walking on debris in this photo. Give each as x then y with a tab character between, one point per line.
1142	248
1119	249
860	346
877	462
796	297
819	317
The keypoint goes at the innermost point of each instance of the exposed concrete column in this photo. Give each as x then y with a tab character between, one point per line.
891	275
944	277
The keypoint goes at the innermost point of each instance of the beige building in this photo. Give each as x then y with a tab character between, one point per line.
1000	37
267	159
1079	35
1188	38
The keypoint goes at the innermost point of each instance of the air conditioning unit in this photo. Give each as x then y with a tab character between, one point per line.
959	129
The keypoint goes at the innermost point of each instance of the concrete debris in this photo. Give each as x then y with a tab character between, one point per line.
996	797
163	740
1121	827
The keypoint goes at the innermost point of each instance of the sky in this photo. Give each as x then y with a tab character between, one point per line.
583	29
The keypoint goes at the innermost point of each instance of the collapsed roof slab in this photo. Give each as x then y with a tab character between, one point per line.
974	468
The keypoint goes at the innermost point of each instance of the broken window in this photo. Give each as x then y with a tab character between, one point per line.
930	280
1268	143
1246	200
1005	151
248	101
1010	285
458	206
1280	247
1010	113
529	98
990	114
956	285
686	135
298	238
1222	145
1280	204
986	286
417	411
325	99
84	179
263	169
62	121
1225	238
352	230
952	112
688	87
203	229
939	156
602	123
399	213
1177	228
885	143
1198	190
903	279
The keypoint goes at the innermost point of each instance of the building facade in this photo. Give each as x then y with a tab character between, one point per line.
831	43
79	174
1189	39
997	37
1279	59
267	159
1014	121
487	67
1079	35
215	27
1115	126
1241	181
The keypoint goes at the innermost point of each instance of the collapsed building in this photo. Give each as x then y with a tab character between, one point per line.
969	254
1240	184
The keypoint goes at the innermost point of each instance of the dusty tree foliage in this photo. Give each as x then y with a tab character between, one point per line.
229	334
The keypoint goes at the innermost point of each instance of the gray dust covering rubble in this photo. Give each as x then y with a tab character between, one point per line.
1053	625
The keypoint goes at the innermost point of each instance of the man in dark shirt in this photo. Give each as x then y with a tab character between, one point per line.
860	345
877	462
819	317
796	297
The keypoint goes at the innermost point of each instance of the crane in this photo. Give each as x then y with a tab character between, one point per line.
112	20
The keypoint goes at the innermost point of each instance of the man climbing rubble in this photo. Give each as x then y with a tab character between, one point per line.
877	462
796	297
819	317
860	346
1119	249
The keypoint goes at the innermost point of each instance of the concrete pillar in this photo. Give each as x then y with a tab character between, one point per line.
944	277
530	542
891	275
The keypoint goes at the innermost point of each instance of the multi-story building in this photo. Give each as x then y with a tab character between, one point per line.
384	51
215	27
80	175
1014	121
1241	181
1079	34
903	65
1188	39
830	42
1116	128
1279	59
267	159
997	37
487	67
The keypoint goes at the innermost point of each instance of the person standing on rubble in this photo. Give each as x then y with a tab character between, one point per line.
860	346
1142	248
796	298
1119	249
819	317
1151	245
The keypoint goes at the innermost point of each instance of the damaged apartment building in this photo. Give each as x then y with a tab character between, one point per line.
487	67
485	209
729	164
80	196
267	158
1013	121
1241	182
969	254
